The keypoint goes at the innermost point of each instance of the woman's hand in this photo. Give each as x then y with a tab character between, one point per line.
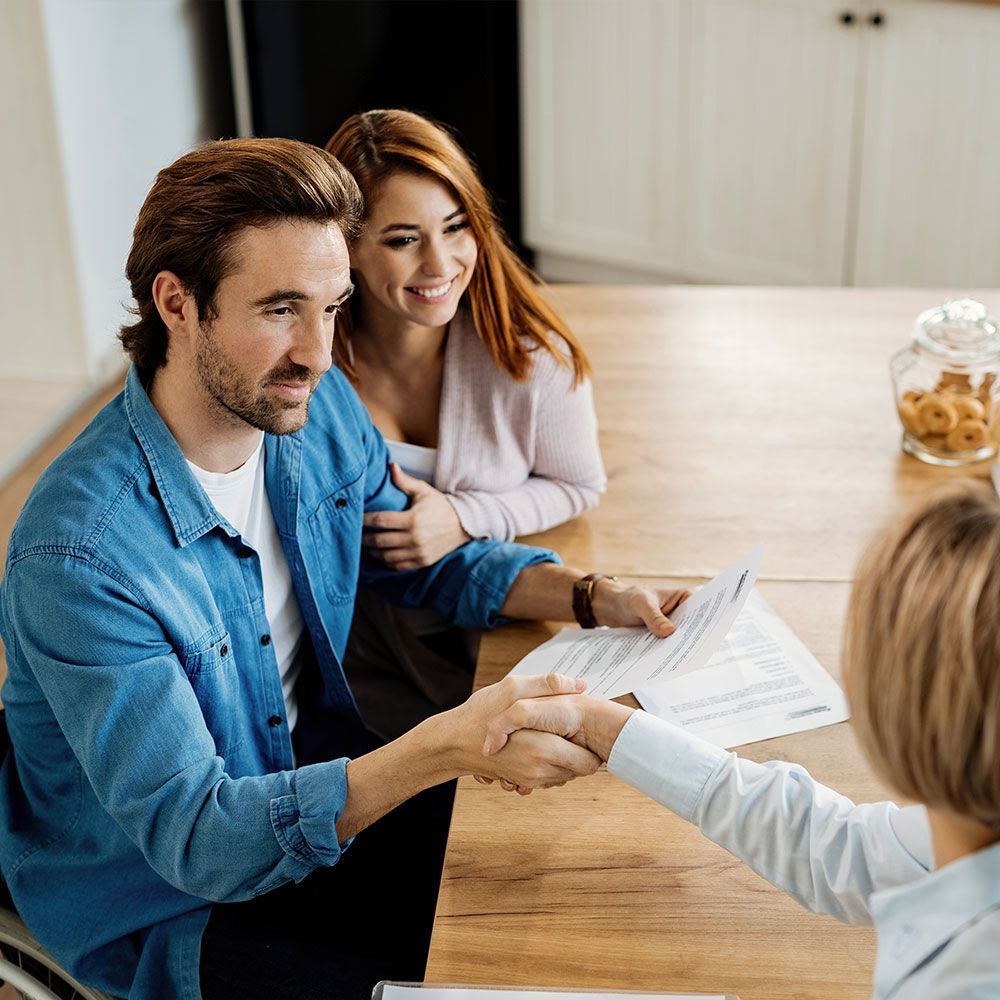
418	536
622	604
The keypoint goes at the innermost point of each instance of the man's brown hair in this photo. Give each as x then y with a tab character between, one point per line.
197	207
922	655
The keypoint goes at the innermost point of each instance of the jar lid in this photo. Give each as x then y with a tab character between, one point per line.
961	331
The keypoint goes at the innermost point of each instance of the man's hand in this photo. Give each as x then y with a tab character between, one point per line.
545	591
418	536
451	744
621	604
588	722
525	760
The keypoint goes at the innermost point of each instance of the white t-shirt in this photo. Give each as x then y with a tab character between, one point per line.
241	499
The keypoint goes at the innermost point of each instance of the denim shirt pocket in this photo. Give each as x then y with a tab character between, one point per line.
210	665
335	531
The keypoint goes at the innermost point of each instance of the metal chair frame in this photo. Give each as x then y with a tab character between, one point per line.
31	970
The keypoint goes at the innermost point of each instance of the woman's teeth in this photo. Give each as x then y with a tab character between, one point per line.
431	293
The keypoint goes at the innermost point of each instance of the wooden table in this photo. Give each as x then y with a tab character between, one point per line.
728	417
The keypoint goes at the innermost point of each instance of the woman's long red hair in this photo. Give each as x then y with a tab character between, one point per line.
507	309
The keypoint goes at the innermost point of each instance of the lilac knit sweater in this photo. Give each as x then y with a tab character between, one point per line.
514	457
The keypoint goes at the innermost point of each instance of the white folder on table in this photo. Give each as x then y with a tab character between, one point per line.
438	991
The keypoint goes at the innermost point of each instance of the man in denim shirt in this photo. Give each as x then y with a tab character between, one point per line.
160	652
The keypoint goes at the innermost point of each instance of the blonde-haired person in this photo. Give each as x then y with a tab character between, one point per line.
922	671
478	386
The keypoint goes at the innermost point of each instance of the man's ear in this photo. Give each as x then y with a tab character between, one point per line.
175	304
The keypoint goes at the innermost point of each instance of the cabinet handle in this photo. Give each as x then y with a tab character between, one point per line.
876	20
847	18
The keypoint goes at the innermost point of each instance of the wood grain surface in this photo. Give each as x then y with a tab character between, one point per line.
728	417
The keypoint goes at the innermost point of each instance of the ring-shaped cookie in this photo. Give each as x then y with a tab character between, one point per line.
968	436
910	419
937	414
969	408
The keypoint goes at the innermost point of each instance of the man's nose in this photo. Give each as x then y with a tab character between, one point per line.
314	348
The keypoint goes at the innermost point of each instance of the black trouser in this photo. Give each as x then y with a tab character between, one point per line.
341	930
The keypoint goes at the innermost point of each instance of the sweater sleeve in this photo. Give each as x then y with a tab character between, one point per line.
567	474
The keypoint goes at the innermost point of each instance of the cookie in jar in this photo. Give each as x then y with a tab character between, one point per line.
946	386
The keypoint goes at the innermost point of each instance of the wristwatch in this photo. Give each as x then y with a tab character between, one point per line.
583	593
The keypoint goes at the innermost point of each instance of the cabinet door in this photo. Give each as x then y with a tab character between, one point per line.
930	179
600	112
769	138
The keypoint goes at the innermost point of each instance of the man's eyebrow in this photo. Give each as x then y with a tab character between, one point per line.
281	295
410	225
292	295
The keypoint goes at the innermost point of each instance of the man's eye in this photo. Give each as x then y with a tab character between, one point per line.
280	311
398	242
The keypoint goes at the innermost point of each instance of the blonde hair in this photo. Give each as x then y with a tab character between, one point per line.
509	314
922	654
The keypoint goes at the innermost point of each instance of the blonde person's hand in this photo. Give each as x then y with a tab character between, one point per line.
621	604
418	536
527	760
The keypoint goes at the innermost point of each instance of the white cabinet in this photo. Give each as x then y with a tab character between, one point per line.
929	203
765	141
602	88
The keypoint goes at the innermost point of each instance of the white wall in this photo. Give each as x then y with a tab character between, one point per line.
41	327
110	91
125	87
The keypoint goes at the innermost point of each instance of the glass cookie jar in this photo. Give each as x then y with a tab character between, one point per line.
947	393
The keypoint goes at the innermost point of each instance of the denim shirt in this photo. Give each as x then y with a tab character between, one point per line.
938	931
151	770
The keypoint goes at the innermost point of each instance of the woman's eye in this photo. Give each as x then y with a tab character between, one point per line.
457	227
398	242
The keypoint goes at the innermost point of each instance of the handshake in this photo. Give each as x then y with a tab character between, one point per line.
528	732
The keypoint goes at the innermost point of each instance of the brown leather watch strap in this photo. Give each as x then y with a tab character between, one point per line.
583	594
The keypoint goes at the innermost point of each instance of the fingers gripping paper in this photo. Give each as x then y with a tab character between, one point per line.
615	661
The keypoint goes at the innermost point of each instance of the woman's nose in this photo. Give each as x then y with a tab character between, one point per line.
434	263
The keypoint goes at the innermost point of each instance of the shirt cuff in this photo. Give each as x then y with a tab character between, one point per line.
305	822
665	762
487	585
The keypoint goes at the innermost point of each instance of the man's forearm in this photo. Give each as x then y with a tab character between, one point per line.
385	778
543	591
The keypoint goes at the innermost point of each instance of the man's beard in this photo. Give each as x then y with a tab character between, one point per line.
247	399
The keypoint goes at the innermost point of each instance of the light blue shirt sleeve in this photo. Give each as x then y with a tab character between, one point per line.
818	846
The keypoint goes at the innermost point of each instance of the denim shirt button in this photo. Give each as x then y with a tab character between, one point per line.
265	640
224	651
275	720
340	503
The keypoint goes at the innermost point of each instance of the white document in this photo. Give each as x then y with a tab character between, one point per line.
616	661
391	992
763	682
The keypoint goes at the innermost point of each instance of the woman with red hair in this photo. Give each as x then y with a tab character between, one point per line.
477	385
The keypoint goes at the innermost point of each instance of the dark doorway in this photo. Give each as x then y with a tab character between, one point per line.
314	62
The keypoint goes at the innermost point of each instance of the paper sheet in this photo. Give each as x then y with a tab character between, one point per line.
617	661
390	992
762	682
